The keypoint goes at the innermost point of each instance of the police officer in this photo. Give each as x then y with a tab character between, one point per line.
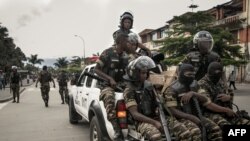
15	79
44	78
180	99
140	101
202	55
216	92
111	66
126	24
63	85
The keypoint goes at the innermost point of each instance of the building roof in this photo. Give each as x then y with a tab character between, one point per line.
145	31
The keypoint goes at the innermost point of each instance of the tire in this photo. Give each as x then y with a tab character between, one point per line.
73	115
95	131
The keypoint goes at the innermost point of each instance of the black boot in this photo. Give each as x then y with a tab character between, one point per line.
118	133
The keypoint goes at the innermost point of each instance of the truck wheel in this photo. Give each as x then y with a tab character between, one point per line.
95	131
73	115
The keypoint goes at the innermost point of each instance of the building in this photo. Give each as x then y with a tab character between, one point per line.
233	15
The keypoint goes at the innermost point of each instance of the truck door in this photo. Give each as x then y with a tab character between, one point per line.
80	88
86	93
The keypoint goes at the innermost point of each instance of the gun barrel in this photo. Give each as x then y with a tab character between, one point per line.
100	79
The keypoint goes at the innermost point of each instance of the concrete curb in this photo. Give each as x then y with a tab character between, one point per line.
11	97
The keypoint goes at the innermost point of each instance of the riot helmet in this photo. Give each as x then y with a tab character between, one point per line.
186	74
215	70
135	66
126	15
203	41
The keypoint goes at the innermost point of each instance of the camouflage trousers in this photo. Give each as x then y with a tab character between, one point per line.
45	93
183	130
221	120
108	98
186	130
63	90
15	90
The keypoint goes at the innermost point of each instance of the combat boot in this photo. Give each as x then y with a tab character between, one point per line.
118	133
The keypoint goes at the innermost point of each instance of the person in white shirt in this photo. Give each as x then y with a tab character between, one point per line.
231	79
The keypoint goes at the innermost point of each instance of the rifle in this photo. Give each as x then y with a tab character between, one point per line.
162	115
194	87
101	80
200	116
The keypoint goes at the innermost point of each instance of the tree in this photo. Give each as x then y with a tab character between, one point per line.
33	59
61	62
76	61
10	54
179	40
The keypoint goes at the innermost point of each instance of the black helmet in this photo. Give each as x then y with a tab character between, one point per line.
127	15
44	67
134	67
203	41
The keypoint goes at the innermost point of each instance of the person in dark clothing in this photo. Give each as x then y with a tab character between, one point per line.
126	24
63	85
44	78
15	81
111	66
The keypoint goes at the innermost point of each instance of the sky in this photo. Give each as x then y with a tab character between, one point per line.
48	27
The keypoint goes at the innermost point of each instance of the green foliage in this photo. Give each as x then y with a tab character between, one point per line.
10	54
61	62
179	40
33	59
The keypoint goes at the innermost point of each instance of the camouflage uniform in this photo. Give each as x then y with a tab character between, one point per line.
200	62
172	97
133	97
63	88
112	64
44	78
211	90
14	83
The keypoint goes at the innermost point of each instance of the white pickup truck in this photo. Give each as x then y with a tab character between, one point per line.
84	104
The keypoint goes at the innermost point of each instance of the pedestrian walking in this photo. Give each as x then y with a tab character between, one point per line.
44	78
63	85
232	79
15	80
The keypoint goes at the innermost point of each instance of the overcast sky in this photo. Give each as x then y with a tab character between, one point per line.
47	27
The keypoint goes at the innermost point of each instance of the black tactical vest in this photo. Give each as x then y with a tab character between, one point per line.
15	78
116	65
180	89
146	100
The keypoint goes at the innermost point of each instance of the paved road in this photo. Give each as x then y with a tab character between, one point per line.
31	121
